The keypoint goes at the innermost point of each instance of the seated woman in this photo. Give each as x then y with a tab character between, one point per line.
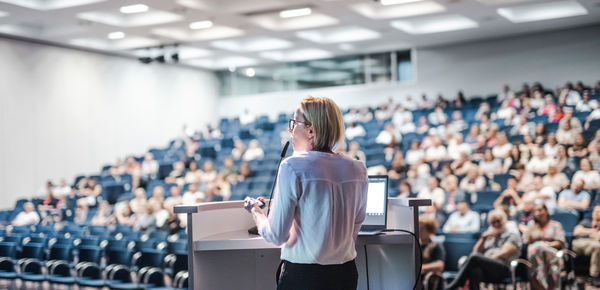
433	254
473	183
399	168
103	216
545	238
125	216
491	255
590	177
490	166
579	148
510	197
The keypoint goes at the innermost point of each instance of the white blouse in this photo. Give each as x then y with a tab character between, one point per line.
318	208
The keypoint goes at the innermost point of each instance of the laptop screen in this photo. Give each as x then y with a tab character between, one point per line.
376	202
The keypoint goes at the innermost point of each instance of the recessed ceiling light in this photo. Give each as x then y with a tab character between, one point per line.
135	8
296	55
397	11
201	24
434	24
295	12
542	11
116	35
395	2
346	46
252	44
250	72
338	34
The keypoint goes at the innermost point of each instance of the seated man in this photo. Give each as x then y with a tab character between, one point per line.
587	242
575	198
433	254
27	217
463	220
491	255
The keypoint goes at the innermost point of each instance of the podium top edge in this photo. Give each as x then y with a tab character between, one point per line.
410	201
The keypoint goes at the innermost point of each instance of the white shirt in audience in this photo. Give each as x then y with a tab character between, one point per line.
26	219
467	223
551	151
589	178
537	165
546	194
192	197
413	156
437	195
436	153
253	154
455	150
502	151
356	131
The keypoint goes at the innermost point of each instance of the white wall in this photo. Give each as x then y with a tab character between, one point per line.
65	112
479	68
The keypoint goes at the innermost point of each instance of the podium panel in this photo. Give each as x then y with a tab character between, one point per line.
224	256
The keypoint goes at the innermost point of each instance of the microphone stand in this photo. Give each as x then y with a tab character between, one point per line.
254	230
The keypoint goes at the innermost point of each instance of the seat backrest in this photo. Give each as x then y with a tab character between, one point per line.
568	220
61	252
33	250
8	249
176	246
89	241
181	263
150	258
455	249
118	256
17	239
90	254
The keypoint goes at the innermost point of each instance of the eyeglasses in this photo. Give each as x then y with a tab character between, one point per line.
292	124
496	222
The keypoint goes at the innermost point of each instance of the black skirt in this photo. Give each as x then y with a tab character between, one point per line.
292	276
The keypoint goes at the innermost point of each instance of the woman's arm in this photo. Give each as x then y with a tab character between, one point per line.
276	228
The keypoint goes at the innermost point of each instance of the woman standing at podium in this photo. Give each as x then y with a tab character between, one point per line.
319	203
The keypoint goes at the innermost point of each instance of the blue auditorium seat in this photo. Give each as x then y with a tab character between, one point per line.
455	249
568	220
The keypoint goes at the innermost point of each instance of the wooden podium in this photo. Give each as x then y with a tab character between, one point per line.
222	255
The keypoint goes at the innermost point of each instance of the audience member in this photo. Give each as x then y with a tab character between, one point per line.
492	254
192	196
27	217
149	167
510	197
415	153
254	152
543	194
590	177
103	215
433	254
433	192
389	136
587	243
490	166
574	198
545	237
555	179
463	220
209	174
354	152
355	130
452	195
456	147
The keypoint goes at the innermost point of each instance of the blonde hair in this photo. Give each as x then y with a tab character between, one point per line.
326	119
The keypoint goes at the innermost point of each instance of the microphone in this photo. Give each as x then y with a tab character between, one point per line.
254	230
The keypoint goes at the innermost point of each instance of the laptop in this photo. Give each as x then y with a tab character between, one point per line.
376	215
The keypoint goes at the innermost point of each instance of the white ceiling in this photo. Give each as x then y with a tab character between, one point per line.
250	32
